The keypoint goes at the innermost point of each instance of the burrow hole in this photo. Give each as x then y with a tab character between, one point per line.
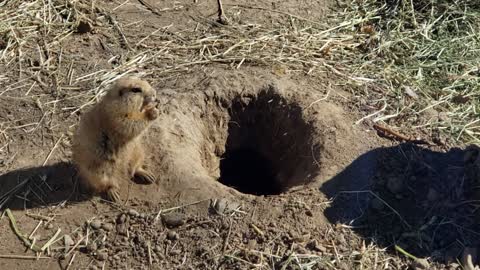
269	145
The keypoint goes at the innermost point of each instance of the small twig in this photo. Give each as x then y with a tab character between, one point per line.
49	242
401	250
150	261
39	217
71	260
178	207
24	239
380	199
225	243
23	257
34	230
388	132
222	19
75	246
256	229
318	100
51	151
337	256
373	114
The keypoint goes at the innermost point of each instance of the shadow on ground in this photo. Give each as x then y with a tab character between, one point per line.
39	186
407	196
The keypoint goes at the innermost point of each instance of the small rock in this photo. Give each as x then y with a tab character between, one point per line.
175	252
122	218
139	239
343	266
93	267
102	256
68	241
107	226
223	206
122	229
133	213
171	235
50	226
314	245
420	264
395	185
432	195
142	215
92	246
341	239
96	224
173	220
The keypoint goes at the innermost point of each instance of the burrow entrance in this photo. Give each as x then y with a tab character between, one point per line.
269	147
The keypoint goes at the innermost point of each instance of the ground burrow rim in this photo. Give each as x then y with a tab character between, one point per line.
270	145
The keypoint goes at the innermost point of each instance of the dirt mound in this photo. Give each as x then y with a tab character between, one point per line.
232	136
256	139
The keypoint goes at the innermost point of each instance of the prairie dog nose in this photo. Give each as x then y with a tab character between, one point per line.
147	100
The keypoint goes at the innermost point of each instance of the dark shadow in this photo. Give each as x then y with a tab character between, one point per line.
407	196
249	172
268	137
39	186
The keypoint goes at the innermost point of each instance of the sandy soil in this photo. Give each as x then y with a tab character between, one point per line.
258	168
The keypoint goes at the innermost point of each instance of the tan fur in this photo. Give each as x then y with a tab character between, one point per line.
107	146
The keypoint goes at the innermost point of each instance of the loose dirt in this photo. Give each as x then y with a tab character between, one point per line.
257	167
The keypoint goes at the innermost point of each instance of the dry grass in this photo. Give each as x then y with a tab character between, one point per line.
414	65
423	57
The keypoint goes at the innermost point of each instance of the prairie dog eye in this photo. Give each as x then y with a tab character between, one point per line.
136	90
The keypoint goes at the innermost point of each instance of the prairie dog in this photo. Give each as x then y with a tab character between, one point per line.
107	146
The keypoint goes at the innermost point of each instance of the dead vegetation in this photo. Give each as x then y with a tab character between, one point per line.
410	64
422	59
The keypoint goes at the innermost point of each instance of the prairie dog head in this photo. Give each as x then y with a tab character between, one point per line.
131	94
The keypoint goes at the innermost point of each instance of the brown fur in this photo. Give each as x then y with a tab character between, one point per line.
107	146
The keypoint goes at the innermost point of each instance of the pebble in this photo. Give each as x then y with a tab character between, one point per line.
107	226
96	224
122	229
171	235
314	245
68	241
122	218
420	264
133	213
173	220
92	247
175	252
224	206
102	256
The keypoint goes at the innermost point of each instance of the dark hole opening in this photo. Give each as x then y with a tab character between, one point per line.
269	145
248	171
